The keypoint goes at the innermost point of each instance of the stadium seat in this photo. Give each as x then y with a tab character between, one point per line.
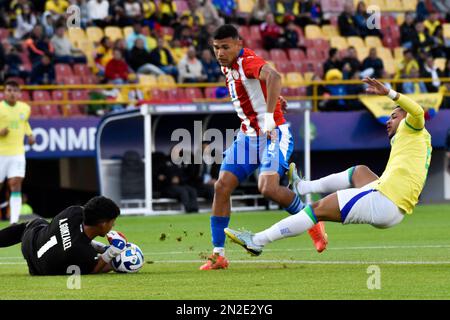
252	43
373	42
394	5
284	66
390	67
148	79
362	52
47	110
19	80
398	53
409	5
334	20
81	70
299	66
278	55
355	41
210	92
25	95
313	53
336	6
400	18
330	31
262	53
166	81
175	94
126	31
72	80
114	33
296	54
78	110
440	63
308	76
158	95
446	30
4	33
244	32
94	34
181	6
193	93
294	79
338	43
255	33
384	53
390	42
62	71
313	32
76	35
245	6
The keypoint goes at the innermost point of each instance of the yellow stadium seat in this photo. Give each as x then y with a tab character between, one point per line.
355	42
313	32
166	81
373	42
76	35
398	53
446	29
308	76
127	31
384	53
409	5
362	53
379	3
114	33
294	79
245	6
338	43
94	34
148	79
440	63
400	18
329	31
87	47
390	67
394	5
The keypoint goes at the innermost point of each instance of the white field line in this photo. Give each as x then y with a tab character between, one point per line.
387	262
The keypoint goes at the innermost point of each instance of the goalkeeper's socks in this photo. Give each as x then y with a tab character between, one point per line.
288	227
328	184
217	233
15	205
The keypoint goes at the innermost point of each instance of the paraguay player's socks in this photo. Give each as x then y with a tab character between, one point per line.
15	205
217	233
295	206
328	184
288	227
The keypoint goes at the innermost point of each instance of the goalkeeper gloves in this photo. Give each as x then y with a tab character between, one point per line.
117	243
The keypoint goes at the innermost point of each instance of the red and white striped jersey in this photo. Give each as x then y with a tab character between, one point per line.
248	93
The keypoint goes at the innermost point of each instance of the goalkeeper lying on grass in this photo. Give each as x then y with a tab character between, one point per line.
50	248
358	195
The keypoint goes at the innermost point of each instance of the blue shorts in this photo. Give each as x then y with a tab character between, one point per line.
249	153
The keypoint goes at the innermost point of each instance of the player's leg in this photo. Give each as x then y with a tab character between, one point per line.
12	235
15	199
356	177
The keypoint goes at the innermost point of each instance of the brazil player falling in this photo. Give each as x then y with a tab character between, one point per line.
14	126
359	195
264	141
50	248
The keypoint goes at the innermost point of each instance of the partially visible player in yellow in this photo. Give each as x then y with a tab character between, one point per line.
14	126
360	196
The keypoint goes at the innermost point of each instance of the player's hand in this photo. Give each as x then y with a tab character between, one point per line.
283	104
31	140
117	242
115	237
269	123
4	132
375	87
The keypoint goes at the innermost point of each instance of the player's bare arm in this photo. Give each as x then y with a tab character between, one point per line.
4	132
273	84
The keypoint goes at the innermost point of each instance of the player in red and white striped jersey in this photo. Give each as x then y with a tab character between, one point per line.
264	142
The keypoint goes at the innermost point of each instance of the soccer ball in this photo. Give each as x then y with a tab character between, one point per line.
130	260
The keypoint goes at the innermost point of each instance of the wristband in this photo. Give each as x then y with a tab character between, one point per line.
392	94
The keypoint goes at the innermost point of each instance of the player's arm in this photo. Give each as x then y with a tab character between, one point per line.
415	118
117	243
273	85
29	133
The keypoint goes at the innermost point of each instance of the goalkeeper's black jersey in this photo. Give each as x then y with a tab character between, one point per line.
51	248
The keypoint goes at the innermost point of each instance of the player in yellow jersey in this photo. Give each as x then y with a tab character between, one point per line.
358	195
14	126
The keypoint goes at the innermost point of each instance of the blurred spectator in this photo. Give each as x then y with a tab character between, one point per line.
43	72
190	69
421	39
334	90
25	22
133	11
14	64
414	87
407	31
57	8
117	13
193	13
38	45
210	66
226	9
150	13
271	33
290	35
421	10
259	12
438	49
111	95
140	59
347	22
432	22
361	19
210	14
442	6
430	70
333	61
162	58
353	90
177	51
117	69
373	62
104	53
64	51
183	22
205	39
353	62
168	12
136	34
48	24
307	12
281	8
405	66
99	12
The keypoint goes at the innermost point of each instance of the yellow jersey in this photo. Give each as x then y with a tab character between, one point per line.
16	120
406	171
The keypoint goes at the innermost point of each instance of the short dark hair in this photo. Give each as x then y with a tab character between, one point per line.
99	209
12	83
226	31
332	52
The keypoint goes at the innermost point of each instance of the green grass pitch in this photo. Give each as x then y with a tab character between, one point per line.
413	259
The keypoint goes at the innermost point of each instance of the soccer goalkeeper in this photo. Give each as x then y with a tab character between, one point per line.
360	196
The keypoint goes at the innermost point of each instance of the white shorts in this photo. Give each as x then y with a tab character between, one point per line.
12	167
369	206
